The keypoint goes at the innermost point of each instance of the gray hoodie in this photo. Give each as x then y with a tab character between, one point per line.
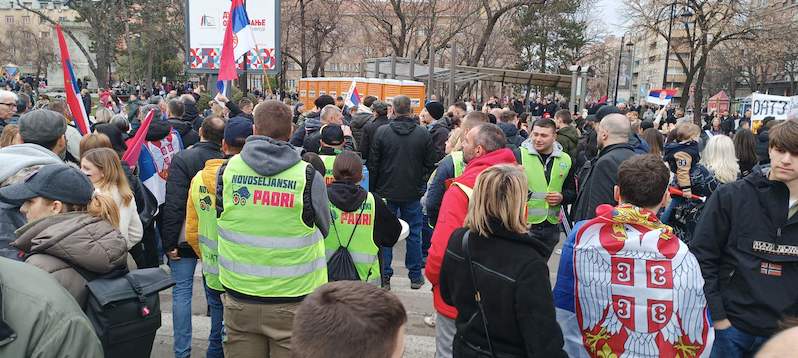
18	162
268	157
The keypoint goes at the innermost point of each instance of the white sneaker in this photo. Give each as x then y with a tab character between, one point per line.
429	320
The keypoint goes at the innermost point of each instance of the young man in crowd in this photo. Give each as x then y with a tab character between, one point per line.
747	245
349	319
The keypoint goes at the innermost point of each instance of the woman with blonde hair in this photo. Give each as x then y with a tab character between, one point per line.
104	170
70	227
720	159
494	272
455	141
9	135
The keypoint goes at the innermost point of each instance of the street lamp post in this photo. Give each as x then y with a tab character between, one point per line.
618	72
668	46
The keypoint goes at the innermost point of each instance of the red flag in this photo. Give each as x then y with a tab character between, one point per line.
131	156
71	86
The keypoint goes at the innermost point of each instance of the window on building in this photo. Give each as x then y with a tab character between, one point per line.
9	19
61	18
45	34
42	20
26	19
28	35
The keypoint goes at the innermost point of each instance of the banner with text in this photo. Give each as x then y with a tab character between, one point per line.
765	105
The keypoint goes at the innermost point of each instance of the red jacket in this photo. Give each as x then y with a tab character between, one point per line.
454	208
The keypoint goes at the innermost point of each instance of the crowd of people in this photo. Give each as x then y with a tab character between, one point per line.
678	236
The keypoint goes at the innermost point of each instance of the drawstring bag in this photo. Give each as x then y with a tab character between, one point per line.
340	265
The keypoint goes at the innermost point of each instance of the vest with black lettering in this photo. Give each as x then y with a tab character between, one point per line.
265	248
205	206
360	226
538	210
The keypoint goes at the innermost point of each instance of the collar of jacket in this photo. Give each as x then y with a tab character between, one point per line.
210	145
500	232
7	334
530	147
612	147
404	118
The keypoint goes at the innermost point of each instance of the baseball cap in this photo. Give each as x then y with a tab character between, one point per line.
55	182
41	126
236	131
332	135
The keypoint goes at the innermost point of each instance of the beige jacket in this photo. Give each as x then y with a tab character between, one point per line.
91	243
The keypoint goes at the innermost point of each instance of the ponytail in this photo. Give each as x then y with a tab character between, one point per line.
103	206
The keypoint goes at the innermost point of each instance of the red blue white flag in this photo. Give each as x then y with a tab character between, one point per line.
352	97
238	40
661	96
79	114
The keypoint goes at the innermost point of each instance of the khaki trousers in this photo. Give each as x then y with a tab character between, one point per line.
257	330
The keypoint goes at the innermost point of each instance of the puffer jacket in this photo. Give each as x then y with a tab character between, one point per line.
56	242
359	120
568	137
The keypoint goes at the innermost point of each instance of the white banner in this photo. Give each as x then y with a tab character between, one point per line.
765	105
206	23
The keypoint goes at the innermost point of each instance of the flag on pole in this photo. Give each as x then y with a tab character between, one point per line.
352	96
71	88
131	156
238	40
223	87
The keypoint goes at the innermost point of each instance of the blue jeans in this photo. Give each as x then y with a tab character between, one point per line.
183	274
409	211
214	299
734	343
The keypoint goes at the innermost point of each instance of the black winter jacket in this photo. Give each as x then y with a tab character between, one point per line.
359	120
187	133
762	140
439	131
368	136
748	252
513	279
401	158
185	165
597	179
349	197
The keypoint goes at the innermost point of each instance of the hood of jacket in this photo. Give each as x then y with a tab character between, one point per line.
190	113
180	126
267	156
477	165
570	132
403	125
530	147
346	196
75	237
508	128
21	156
441	123
312	121
360	119
159	129
639	144
672	148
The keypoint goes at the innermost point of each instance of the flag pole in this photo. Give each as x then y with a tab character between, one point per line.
266	74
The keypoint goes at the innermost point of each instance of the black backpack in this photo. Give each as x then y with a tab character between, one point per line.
125	310
340	265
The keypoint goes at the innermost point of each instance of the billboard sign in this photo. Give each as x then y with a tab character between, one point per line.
206	21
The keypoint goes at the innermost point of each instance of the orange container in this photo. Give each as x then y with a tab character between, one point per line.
313	89
303	90
324	87
391	89
417	93
374	88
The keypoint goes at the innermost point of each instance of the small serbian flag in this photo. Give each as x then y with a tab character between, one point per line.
238	40
71	88
770	269
661	96
352	97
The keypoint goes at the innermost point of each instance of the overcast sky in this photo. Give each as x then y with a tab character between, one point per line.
610	12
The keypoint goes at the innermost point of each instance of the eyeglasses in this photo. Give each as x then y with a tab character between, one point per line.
9	104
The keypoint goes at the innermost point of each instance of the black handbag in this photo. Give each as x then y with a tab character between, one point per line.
478	298
125	310
340	265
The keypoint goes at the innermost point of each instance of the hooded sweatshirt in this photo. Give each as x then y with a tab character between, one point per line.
56	242
187	133
568	137
452	216
349	197
511	132
359	120
312	124
18	162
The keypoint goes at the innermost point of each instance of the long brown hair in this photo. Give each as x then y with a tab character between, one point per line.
107	161
101	206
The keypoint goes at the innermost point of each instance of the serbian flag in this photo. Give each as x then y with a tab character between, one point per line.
131	156
71	86
661	96
238	40
352	97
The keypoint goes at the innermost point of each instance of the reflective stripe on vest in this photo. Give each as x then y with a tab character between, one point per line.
469	192
265	248
362	248
204	206
329	161
457	161
538	210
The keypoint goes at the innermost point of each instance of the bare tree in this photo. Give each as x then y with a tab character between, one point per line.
311	34
22	46
710	23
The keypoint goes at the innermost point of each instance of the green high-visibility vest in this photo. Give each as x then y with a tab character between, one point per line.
205	206
538	210
459	164
362	248
328	161
265	249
